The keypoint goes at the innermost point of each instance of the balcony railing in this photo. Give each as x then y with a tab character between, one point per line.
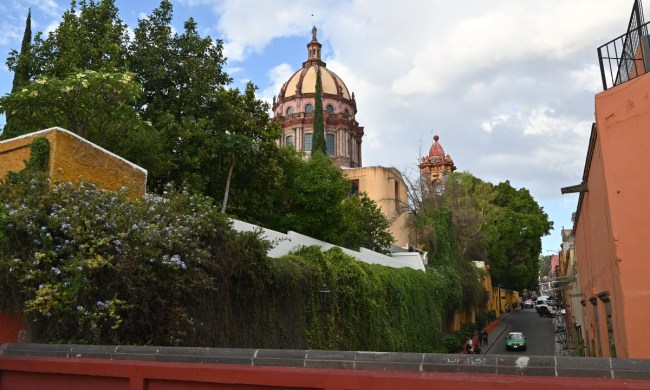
625	57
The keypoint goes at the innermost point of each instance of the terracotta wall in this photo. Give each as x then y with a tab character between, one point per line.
72	158
612	231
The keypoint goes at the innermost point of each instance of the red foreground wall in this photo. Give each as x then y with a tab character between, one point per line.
101	374
9	328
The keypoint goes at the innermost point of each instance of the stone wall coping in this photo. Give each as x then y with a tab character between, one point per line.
554	366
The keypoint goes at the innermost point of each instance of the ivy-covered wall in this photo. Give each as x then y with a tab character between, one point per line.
85	265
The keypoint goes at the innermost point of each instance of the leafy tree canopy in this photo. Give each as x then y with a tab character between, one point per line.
98	106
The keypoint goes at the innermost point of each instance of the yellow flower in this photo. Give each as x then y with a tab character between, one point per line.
34	93
41	80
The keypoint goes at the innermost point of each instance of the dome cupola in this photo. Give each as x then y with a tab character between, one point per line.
294	108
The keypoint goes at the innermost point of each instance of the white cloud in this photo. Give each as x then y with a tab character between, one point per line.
277	76
587	78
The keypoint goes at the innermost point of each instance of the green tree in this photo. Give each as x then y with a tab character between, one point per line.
92	37
366	225
519	228
181	74
318	138
20	63
95	105
311	201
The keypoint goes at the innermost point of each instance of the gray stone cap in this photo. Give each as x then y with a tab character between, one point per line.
557	366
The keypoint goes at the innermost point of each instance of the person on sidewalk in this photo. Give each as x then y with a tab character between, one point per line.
468	345
484	337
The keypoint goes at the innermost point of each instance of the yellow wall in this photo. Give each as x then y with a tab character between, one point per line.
387	188
72	159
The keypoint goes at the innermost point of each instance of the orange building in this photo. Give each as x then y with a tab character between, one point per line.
72	159
612	225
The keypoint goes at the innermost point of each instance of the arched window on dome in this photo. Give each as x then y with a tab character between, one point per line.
306	145
329	142
289	110
309	108
346	113
330	108
289	140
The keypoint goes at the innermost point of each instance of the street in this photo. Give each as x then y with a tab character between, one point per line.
539	332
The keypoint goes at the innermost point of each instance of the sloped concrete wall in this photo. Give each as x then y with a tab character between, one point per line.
291	241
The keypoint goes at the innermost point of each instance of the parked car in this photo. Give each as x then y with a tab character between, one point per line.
544	310
515	341
541	300
528	304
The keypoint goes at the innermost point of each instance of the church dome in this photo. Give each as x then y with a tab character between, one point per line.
295	109
304	82
436	152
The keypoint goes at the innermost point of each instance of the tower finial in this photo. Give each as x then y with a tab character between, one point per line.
313	34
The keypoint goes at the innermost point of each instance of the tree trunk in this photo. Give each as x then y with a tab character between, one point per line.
225	195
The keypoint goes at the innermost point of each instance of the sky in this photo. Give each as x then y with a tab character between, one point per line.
507	85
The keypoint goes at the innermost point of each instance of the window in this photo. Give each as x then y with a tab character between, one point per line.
289	140
329	142
309	108
307	143
330	109
289	110
355	187
396	196
346	113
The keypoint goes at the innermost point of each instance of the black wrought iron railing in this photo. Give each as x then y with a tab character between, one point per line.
627	56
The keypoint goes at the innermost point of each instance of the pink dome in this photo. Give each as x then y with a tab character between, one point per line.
436	149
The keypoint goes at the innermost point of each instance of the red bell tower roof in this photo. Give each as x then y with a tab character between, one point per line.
436	149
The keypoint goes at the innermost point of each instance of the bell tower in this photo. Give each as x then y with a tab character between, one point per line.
436	166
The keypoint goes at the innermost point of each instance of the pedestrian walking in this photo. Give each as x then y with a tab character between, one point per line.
484	337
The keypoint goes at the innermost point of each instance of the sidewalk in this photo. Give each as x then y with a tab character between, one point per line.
495	331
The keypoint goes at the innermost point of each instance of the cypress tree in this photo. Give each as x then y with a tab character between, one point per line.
318	138
22	72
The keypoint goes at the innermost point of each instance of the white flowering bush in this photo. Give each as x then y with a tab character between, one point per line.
87	265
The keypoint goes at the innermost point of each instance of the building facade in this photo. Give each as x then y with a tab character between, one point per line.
611	224
386	187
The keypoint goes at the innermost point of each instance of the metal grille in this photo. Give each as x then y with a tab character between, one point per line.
627	56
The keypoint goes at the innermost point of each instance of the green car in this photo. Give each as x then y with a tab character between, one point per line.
515	341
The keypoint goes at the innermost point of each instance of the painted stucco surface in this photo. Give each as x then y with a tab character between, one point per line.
72	158
387	188
612	232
